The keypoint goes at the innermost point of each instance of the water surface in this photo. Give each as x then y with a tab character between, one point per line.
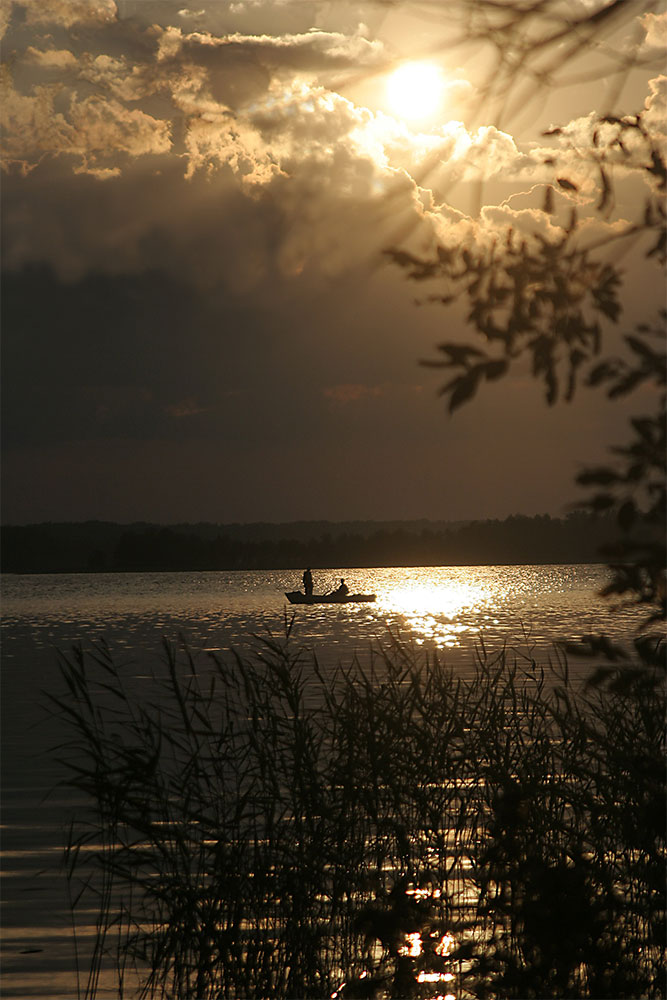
448	609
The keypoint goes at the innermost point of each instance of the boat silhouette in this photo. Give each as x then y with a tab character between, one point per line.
297	597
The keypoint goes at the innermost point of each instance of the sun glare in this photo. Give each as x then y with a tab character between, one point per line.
415	90
435	611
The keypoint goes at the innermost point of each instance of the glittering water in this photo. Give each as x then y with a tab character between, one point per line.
524	607
448	606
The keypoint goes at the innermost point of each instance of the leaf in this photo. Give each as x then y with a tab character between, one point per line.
552	386
627	515
494	369
626	384
417	268
660	246
464	389
601	501
602	372
608	306
548	203
597	477
639	347
460	354
657	168
605	195
645	427
576	358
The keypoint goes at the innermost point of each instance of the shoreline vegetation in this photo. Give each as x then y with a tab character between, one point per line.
97	546
257	828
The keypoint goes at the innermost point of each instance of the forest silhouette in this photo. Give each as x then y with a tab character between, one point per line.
107	547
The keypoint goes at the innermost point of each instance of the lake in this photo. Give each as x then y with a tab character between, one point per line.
527	608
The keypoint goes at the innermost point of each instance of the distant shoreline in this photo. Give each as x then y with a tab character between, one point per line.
107	547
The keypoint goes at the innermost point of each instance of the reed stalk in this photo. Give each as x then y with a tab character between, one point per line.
258	828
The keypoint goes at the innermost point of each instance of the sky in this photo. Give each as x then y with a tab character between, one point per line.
200	322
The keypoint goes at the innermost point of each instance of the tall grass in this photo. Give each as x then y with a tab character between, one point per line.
259	829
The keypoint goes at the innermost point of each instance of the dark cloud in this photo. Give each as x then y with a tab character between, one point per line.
275	405
131	356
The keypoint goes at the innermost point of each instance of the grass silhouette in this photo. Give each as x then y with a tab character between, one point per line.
258	829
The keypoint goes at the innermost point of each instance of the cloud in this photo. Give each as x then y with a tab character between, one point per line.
118	76
225	159
309	51
185	13
239	69
5	16
301	155
93	131
655	114
68	13
248	103
655	26
207	233
216	141
58	60
104	128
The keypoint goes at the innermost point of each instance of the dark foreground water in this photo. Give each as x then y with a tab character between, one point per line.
526	608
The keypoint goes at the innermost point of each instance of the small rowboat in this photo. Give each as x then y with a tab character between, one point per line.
297	597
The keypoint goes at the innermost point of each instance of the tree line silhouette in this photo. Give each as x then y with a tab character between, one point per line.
107	547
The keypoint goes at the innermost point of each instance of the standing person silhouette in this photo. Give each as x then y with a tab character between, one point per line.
308	582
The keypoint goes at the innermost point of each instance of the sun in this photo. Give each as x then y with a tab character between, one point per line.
415	90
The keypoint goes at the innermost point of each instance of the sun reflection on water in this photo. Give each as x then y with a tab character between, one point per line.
440	612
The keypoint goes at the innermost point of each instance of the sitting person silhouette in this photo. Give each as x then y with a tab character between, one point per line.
342	590
308	582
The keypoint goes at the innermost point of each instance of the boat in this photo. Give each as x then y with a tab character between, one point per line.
297	597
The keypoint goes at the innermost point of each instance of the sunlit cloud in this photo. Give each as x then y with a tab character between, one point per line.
68	12
213	141
259	115
119	77
90	131
57	60
527	220
185	12
308	52
655	114
655	26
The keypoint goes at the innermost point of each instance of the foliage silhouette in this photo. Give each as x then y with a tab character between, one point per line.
547	300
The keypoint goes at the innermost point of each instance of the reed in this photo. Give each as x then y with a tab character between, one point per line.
260	829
